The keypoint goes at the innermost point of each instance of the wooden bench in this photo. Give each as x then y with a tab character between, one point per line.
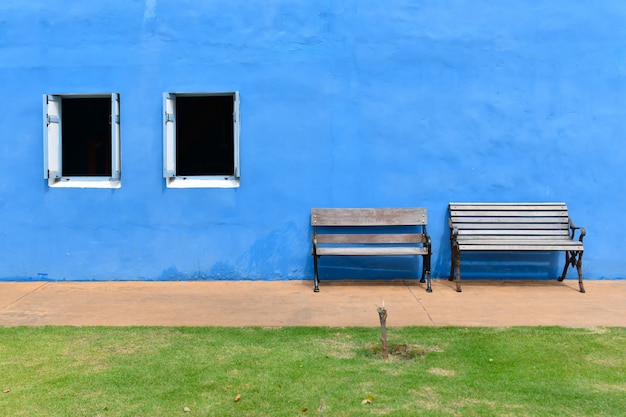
514	227
371	232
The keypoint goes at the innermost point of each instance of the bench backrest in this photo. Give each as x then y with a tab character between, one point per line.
510	220
368	216
359	220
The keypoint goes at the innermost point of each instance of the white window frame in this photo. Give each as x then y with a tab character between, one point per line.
52	143
169	147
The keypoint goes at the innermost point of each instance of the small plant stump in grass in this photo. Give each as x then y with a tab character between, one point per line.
382	315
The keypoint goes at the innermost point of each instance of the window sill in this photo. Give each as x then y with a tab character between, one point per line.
211	182
83	182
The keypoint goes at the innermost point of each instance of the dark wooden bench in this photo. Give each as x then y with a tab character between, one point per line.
371	232
514	227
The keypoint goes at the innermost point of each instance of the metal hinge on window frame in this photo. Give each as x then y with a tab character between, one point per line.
52	119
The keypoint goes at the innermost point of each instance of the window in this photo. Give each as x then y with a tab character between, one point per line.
201	140
82	140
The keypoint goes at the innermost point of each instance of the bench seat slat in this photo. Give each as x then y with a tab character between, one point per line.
510	213
506	205
460	220
372	251
500	240
471	237
514	232
370	238
518	247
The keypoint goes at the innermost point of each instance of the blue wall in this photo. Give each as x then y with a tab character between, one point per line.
343	104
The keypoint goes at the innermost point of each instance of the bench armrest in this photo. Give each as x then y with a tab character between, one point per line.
314	240
427	240
573	228
454	231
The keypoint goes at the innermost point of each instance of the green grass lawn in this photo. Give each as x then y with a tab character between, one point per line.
300	371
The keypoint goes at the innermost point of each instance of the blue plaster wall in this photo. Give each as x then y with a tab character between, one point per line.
343	104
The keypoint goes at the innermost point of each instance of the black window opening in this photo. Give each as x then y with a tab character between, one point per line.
205	142
86	132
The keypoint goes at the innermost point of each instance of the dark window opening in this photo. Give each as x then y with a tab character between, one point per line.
204	135
86	137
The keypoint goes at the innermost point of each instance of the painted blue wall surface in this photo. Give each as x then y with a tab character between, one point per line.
350	103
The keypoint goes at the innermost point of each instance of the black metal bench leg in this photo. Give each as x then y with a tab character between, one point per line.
316	279
456	266
451	276
568	260
429	287
458	273
575	258
426	273
579	267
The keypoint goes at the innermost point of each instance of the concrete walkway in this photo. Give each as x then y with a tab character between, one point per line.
293	303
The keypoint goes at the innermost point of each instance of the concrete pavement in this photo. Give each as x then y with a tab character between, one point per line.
293	303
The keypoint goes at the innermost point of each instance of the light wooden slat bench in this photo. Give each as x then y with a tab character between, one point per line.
514	227
371	232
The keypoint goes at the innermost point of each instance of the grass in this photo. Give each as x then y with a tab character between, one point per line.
157	371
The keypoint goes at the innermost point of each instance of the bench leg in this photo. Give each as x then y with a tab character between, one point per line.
451	276
568	260
579	267
316	279
455	265
458	272
575	258
429	287
426	273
